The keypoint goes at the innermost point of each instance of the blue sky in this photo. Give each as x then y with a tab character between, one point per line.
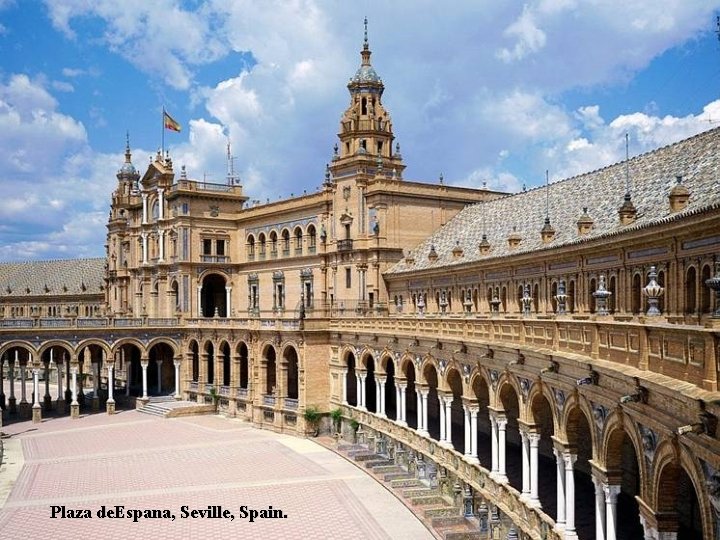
479	90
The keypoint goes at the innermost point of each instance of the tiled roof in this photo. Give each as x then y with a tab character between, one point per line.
652	176
52	278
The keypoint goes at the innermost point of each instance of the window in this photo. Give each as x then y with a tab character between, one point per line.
220	247
207	246
251	247
348	278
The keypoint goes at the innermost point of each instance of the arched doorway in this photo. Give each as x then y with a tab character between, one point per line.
513	449
622	463
210	363
457	413
544	425
370	391
270	371
351	380
213	296
484	430
195	360
226	363
291	361
433	405
161	370
580	440
390	391
410	396
130	358
244	366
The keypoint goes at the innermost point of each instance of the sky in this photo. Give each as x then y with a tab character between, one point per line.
480	91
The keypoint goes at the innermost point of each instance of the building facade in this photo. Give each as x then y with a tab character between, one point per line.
553	352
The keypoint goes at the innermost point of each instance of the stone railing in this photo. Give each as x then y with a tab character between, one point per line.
679	351
193	386
533	522
242	393
290	404
268	400
225	391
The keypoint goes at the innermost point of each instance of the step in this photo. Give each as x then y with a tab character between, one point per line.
444	511
465	535
387	469
448	521
427	500
418	491
372	463
365	457
405	480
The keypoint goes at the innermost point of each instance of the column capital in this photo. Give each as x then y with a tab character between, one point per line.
228	288
144	362
36	371
534	438
381	380
474	410
401	385
569	458
177	362
611	492
501	422
447	399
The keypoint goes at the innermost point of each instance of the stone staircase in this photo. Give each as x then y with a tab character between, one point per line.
435	510
168	406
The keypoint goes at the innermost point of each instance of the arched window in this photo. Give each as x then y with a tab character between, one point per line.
251	247
273	244
690	291
636	294
705	293
312	239
298	241
261	240
285	242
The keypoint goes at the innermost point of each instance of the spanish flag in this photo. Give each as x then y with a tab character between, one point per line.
169	123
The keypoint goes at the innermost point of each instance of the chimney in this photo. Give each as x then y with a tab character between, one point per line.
679	196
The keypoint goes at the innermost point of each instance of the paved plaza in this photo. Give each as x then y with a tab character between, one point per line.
148	463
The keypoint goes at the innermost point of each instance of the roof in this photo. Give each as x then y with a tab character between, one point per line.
652	175
52	278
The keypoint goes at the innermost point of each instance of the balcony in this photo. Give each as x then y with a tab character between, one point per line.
215	258
345	245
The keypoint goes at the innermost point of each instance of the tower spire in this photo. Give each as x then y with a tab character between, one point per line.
365	54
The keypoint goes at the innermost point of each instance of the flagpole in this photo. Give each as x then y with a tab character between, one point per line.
163	132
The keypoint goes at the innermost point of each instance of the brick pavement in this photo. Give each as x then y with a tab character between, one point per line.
152	463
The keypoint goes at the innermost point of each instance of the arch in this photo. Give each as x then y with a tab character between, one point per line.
691	291
131	352
388	366
705	293
263	245
430	377
129	341
224	350
269	359
571	303
636	293
17	344
370	391
407	368
298	235
213	295
169	342
622	452
273	239
290	357
194	351
457	413
508	398
592	287
47	345
162	355
250	244
351	380
243	354
312	238
543	421
481	393
285	234
209	353
612	299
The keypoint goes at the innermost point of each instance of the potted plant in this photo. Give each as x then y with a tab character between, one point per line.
215	397
312	417
336	415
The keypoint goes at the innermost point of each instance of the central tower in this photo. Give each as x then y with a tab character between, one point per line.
366	135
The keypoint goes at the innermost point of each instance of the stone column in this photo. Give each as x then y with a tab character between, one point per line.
161	203
161	246
128	375
534	439
560	464
403	404
74	405
361	396
110	403
144	365
47	399
611	495
493	444
380	395
358	390
228	302
96	385
176	362
442	419
448	419
599	508
144	238
501	426
473	434
466	419
36	410
425	412
199	301
525	445
144	208
569	459
60	405
344	386
419	408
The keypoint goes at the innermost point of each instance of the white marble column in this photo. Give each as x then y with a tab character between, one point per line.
534	440
344	386
361	397
419	409
177	379
525	445
144	238
560	465
358	390
466	419
599	508
501	425
73	387
228	302
473	434
493	444
111	383
424	394
144	366
47	381
96	378
442	419
448	419
199	301
380	389
128	374
60	370
403	404
611	496
569	459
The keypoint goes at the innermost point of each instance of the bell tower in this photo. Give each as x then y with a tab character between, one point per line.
366	135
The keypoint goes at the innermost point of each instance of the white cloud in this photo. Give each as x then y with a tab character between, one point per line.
530	38
63	86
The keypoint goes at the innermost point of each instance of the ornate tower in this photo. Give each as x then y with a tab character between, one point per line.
366	135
